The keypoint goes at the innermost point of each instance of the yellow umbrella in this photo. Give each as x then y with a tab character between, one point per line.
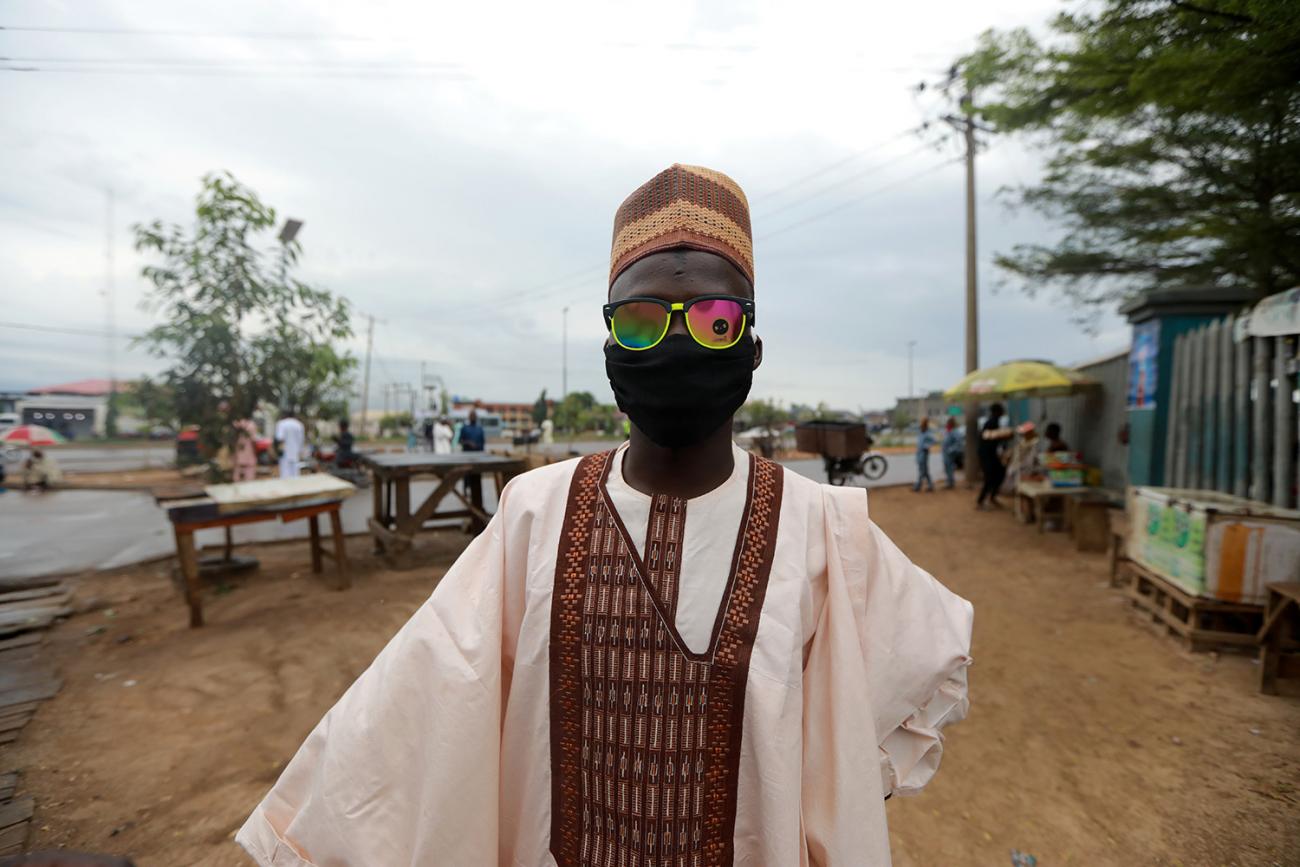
1019	379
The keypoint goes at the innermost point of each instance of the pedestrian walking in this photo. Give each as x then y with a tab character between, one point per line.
245	451
290	437
924	441
953	445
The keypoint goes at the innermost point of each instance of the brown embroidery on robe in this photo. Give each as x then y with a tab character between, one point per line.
645	734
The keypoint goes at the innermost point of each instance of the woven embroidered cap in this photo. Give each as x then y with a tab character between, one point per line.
684	206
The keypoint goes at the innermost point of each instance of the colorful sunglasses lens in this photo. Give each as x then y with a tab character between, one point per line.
716	323
639	324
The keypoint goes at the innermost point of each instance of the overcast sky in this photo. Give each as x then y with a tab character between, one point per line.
457	167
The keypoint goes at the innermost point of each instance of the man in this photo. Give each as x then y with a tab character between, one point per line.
471	434
442	434
472	439
428	433
668	653
924	442
290	436
344	442
994	436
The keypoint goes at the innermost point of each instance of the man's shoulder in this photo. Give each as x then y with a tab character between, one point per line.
542	485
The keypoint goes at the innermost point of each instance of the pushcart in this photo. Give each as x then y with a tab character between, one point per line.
845	448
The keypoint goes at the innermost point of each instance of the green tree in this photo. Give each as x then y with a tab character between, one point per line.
395	422
540	408
153	401
771	417
569	413
238	327
1172	133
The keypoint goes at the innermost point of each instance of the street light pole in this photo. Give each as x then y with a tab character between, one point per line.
911	392
564	341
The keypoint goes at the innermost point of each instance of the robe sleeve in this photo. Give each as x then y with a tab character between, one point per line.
404	769
915	637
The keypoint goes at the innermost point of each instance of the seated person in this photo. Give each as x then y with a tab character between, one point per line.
1052	439
345	456
40	472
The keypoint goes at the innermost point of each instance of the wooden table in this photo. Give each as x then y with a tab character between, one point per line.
1276	638
394	524
1039	493
225	506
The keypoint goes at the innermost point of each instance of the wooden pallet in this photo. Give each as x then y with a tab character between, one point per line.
1204	624
15	816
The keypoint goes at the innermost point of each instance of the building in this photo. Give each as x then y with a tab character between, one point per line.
75	409
515	416
913	409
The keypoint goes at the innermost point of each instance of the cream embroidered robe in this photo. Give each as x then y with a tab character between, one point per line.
541	709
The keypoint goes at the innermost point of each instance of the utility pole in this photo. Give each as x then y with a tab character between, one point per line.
365	388
972	287
911	392
110	421
966	124
564	369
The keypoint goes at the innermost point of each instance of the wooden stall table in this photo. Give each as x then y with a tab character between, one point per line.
394	523
1041	492
1276	638
303	498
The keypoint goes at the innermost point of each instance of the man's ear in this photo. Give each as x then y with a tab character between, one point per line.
758	351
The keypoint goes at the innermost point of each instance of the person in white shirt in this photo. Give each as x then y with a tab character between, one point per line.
442	435
672	652
290	436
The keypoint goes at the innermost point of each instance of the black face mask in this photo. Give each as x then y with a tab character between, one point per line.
679	392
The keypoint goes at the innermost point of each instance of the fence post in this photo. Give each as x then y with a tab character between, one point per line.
1262	394
1210	413
1241	437
1283	424
1174	436
1196	379
1223	459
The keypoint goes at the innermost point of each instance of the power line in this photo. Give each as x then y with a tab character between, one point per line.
195	34
225	62
771	194
55	329
853	201
869	170
234	72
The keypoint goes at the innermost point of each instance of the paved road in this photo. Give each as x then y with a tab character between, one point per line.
100	459
66	531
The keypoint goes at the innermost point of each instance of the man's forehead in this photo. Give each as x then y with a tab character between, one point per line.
679	274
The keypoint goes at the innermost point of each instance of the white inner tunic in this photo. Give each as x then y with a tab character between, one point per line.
708	542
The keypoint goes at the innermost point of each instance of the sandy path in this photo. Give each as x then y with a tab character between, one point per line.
1069	753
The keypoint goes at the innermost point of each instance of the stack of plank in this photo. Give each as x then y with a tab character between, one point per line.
28	607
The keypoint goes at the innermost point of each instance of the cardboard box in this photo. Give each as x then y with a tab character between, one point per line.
1213	545
834	439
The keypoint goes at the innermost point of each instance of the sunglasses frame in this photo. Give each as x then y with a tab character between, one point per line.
746	306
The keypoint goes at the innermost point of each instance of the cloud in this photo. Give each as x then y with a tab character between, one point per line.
457	168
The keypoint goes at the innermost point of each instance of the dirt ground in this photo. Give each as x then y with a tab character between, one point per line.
1092	740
